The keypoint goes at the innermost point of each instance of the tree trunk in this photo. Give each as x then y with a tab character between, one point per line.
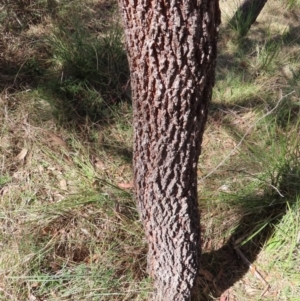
246	15
171	47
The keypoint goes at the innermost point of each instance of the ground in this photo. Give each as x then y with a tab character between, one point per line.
70	229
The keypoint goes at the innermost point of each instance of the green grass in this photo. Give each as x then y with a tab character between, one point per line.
70	230
92	69
80	263
292	4
241	24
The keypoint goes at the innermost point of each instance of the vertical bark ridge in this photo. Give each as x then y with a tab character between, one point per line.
171	48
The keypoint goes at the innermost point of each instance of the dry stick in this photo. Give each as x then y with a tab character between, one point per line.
240	142
253	270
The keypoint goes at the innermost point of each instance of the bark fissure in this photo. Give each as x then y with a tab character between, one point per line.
172	50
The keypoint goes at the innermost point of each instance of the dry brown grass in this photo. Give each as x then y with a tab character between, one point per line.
58	212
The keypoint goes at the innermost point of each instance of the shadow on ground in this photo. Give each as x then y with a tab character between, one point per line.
79	65
222	268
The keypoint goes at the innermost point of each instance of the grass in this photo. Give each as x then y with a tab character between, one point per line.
70	228
90	68
241	23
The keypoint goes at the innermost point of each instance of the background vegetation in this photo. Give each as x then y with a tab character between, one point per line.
70	229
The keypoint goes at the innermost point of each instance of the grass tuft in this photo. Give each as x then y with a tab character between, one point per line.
92	68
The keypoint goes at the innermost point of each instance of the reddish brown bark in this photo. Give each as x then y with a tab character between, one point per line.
171	48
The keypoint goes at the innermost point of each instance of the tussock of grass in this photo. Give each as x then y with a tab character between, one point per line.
89	60
70	230
93	71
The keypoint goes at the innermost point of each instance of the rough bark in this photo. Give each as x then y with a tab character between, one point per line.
171	48
246	15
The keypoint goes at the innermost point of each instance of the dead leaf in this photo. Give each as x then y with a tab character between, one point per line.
46	231
55	140
40	169
207	274
57	197
99	233
63	184
22	154
55	266
225	296
5	142
4	191
32	298
35	284
100	138
95	258
99	164
126	185
85	231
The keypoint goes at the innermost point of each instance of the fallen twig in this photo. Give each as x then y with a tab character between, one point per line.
242	139
253	269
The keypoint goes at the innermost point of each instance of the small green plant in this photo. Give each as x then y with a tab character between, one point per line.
266	55
240	24
291	4
245	16
4	180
